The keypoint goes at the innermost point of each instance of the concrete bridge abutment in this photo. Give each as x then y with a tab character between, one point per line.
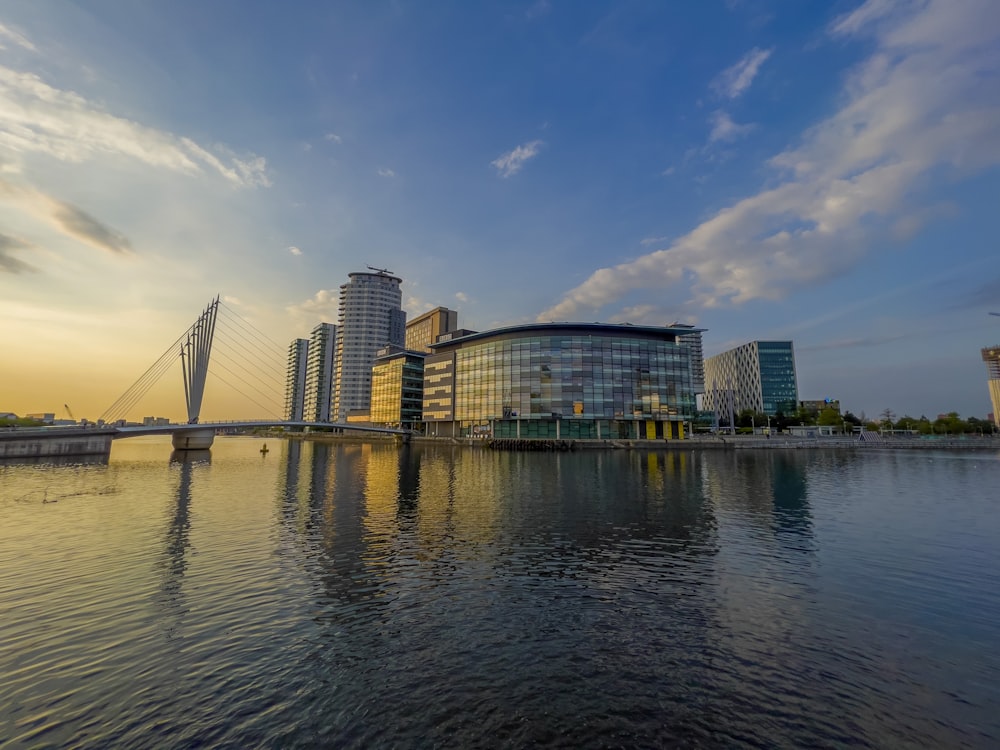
193	440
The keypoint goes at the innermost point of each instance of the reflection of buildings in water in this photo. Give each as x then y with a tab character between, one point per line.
767	488
765	540
176	539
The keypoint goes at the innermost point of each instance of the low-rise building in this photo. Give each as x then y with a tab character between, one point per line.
562	381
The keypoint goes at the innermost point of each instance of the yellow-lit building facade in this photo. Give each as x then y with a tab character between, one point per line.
397	388
424	330
991	356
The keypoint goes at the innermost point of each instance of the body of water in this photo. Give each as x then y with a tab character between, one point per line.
356	595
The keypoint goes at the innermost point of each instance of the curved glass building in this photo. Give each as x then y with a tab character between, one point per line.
561	380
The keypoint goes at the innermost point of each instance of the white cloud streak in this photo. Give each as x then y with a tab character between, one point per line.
724	130
735	80
926	98
12	35
385	172
294	250
511	163
36	117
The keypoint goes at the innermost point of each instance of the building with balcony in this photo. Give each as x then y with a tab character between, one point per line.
562	381
693	341
319	373
991	356
370	318
295	380
759	376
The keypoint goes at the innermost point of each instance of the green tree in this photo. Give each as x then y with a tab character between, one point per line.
829	417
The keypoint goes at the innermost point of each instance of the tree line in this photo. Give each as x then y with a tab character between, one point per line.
944	424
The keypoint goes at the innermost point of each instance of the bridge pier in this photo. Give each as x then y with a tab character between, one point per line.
193	440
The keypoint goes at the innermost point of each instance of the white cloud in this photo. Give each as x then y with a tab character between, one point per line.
652	241
322	306
639	315
294	250
36	117
334	137
461	296
927	97
735	80
385	172
724	130
510	163
6	32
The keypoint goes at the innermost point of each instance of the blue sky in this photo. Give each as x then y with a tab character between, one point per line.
825	172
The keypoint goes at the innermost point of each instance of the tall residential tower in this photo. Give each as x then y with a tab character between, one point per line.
370	318
295	380
319	373
991	357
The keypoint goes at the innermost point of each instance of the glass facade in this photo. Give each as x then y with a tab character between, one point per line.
569	381
397	390
778	388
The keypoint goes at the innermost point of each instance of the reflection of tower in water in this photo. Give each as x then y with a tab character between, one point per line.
176	539
769	489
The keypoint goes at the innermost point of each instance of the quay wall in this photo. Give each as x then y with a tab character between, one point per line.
51	444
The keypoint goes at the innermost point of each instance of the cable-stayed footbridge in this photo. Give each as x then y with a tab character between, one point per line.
227	341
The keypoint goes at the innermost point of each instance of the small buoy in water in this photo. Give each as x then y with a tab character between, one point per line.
264	448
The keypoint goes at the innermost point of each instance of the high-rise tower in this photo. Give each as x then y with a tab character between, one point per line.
991	357
295	380
693	341
370	318
319	373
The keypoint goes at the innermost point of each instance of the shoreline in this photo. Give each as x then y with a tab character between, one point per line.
739	442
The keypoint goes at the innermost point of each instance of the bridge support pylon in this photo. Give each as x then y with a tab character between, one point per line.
193	440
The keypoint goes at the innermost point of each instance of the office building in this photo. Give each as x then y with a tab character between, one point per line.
562	381
991	357
295	380
397	388
370	318
759	376
693	341
424	330
319	373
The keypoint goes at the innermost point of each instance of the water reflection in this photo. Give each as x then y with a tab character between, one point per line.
94	460
353	595
176	539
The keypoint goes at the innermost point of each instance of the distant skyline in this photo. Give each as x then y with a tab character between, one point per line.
820	172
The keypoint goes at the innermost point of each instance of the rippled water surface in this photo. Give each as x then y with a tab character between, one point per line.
363	595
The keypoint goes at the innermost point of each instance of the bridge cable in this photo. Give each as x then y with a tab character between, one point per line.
253	330
147	379
242	380
249	398
258	359
251	365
